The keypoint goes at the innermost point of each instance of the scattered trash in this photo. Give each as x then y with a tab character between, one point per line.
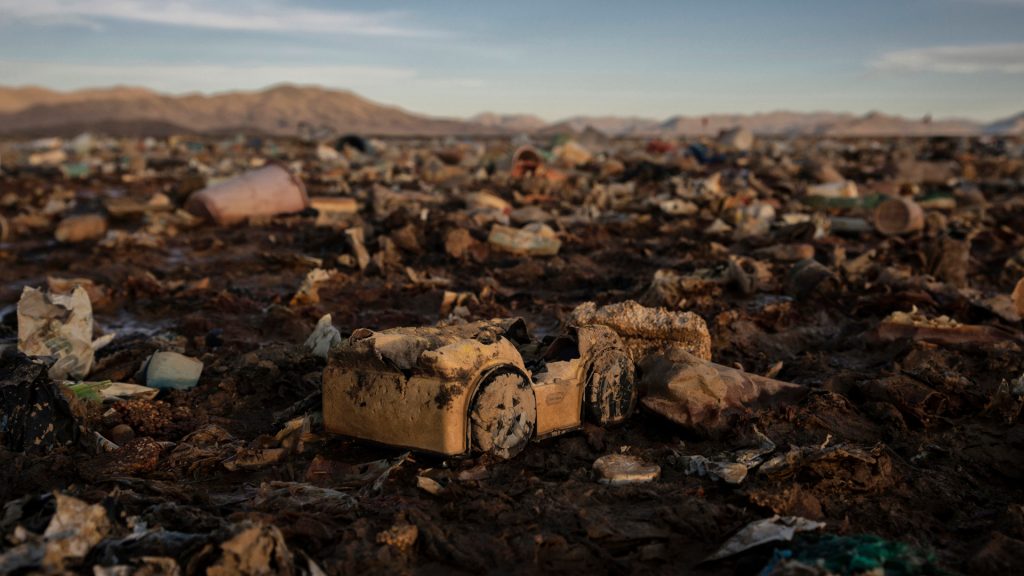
707	397
526	161
268	191
832	190
356	242
73	530
739	138
401	536
941	330
429	485
465	387
102	391
333	210
616	469
730	468
172	370
897	216
254	550
765	279
309	291
571	153
531	240
860	554
774	529
81	228
324	337
645	330
36	415
59	325
833	466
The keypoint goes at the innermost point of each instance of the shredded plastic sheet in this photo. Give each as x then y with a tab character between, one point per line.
774	529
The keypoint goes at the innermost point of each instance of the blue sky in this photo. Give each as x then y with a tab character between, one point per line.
555	59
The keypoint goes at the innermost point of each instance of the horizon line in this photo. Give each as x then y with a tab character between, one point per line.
326	88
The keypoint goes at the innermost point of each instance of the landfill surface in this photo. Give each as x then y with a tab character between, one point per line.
907	344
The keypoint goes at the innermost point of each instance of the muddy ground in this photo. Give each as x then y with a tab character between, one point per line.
904	439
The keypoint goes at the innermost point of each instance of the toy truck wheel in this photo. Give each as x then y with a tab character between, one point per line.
611	387
503	415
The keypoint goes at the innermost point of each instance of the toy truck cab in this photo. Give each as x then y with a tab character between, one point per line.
456	389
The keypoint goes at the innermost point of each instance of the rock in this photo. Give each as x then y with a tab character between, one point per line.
122	434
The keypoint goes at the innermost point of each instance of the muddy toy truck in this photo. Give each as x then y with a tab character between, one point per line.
486	386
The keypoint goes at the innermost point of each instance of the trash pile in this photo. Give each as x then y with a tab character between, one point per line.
720	355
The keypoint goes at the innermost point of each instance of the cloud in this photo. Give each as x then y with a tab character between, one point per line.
250	16
202	78
1007	58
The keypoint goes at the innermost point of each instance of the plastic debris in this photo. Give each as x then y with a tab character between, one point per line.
333	211
897	216
81	228
738	138
730	468
774	529
531	240
619	469
706	397
170	369
840	189
942	329
269	191
309	291
324	337
101	391
36	415
858	554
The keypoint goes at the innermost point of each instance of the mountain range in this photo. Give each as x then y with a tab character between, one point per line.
289	110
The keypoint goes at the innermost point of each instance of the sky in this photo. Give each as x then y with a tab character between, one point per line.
655	59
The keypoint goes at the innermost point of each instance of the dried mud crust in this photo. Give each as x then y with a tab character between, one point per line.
503	415
611	388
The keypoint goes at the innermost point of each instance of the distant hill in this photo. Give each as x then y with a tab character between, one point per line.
290	110
613	125
279	110
1014	125
877	124
21	98
522	123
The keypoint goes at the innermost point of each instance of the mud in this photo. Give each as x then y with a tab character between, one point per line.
913	440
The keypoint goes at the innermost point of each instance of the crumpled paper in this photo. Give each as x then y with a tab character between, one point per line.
59	325
74	529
